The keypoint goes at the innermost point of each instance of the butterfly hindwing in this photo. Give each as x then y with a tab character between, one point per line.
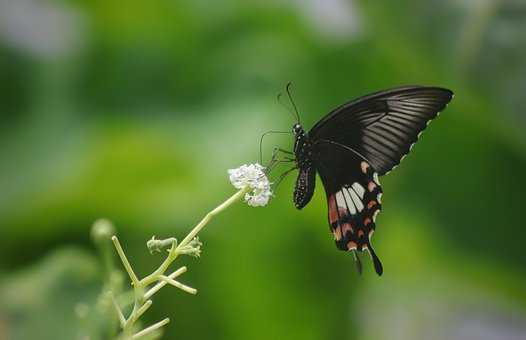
353	195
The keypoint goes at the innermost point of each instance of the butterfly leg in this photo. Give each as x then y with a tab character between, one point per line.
284	151
282	176
277	150
275	160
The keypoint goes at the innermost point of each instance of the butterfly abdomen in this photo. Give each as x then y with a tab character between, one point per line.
304	186
306	180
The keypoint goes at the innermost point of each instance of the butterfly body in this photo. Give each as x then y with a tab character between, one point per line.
354	144
306	180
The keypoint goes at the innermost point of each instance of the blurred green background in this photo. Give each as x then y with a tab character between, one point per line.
133	111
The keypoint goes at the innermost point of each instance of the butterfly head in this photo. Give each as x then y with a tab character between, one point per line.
297	129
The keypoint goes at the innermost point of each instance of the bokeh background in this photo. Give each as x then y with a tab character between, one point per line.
134	110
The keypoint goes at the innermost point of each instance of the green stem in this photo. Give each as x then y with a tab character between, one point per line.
193	233
124	260
211	214
139	286
161	284
122	320
142	309
178	285
150	329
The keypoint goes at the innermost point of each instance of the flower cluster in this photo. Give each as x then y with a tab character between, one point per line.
252	176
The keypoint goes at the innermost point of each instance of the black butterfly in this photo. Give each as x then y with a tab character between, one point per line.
353	145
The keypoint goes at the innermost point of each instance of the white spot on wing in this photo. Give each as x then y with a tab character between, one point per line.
375	214
349	200
357	201
375	177
364	166
359	189
340	201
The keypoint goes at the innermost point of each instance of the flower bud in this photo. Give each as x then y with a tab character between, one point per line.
102	230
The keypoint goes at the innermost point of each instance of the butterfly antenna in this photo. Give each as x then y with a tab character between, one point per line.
292	101
261	142
294	115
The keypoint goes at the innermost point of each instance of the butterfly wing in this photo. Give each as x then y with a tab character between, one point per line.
353	195
382	127
360	140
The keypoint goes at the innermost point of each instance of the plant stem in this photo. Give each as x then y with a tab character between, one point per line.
211	214
179	285
161	284
142	309
172	255
150	329
139	286
124	260
122	319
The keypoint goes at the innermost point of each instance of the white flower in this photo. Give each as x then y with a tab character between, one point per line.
260	195
253	177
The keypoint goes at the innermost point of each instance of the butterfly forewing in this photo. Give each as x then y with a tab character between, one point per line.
382	127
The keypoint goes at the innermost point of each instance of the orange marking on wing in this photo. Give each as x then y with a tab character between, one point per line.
343	211
360	233
333	209
364	167
337	234
351	245
367	221
371	186
347	227
371	204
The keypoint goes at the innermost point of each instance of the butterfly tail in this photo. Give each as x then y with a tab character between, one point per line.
376	261
357	261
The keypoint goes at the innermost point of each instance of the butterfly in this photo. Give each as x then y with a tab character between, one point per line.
351	147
